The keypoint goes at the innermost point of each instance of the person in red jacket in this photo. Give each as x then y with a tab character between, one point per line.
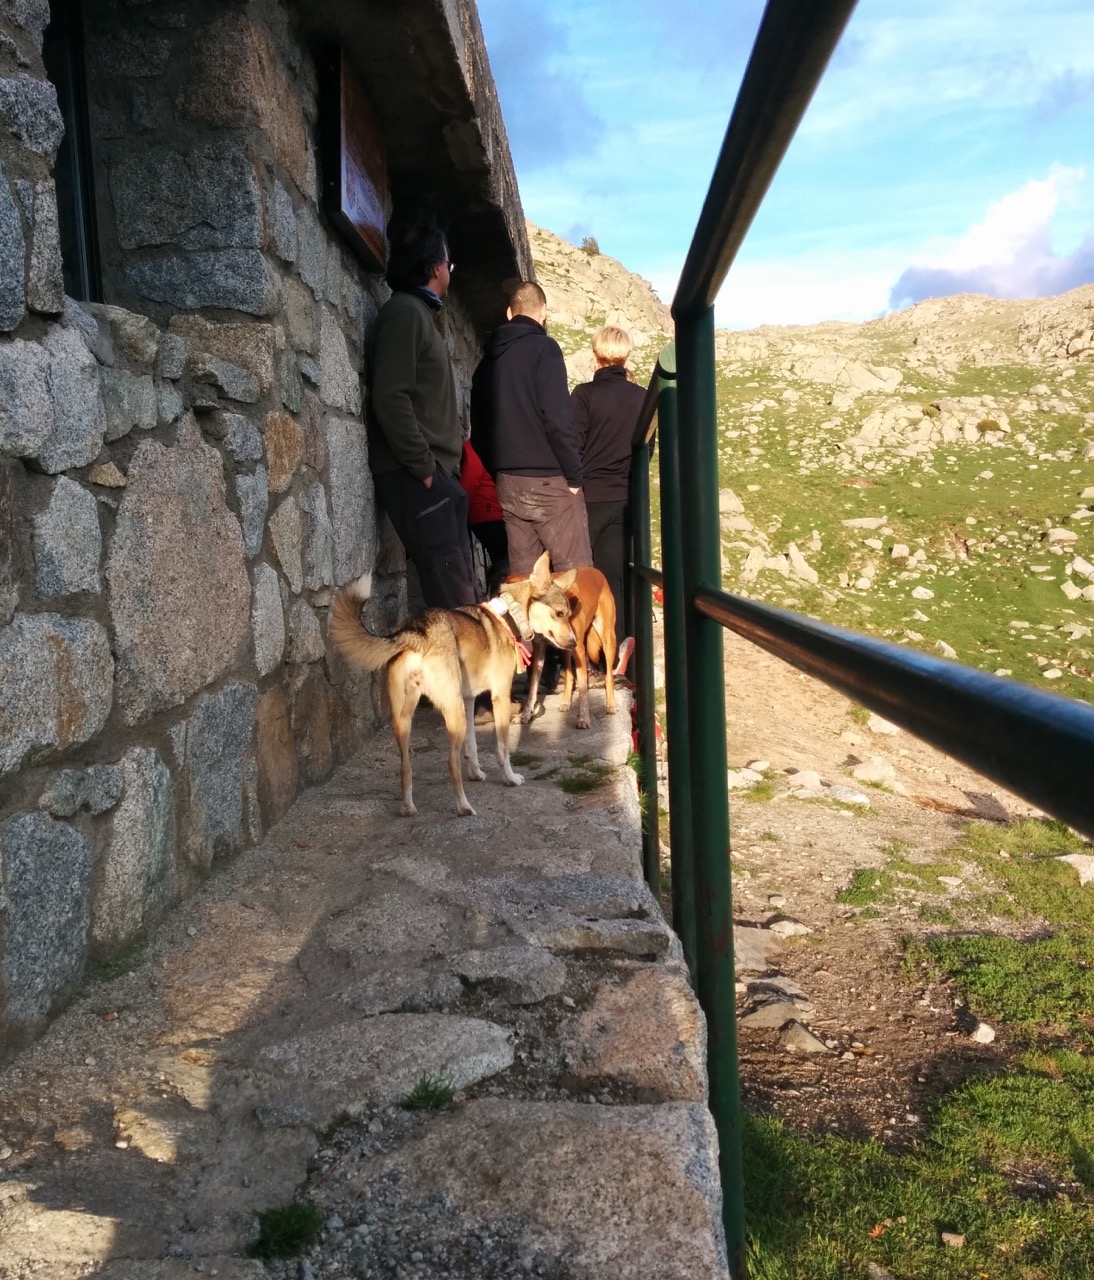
485	517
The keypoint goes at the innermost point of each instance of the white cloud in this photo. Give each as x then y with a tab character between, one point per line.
1009	253
806	290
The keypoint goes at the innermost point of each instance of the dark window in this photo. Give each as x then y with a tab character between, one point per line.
63	54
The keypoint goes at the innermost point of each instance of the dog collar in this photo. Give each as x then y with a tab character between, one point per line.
517	617
501	608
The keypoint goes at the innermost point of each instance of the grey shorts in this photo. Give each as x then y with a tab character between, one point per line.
541	514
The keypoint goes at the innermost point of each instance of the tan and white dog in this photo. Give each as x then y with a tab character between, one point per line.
592	617
449	656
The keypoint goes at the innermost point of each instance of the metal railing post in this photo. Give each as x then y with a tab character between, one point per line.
642	614
682	848
701	556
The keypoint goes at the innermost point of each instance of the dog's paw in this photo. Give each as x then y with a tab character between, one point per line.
475	773
515	780
610	710
582	722
564	705
526	715
464	810
408	811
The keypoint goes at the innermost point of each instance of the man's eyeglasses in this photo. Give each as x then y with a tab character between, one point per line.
451	267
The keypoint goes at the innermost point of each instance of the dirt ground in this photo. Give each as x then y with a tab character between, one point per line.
896	1045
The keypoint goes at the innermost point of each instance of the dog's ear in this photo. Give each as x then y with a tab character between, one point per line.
566	580
540	576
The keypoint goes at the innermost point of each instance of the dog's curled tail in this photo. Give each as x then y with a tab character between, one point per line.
356	644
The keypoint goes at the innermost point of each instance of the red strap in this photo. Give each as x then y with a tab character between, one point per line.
524	651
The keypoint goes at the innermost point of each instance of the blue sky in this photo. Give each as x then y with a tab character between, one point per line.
949	148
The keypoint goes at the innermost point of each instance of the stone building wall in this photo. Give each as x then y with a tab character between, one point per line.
183	477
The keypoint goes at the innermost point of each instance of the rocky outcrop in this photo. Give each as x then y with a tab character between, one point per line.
588	290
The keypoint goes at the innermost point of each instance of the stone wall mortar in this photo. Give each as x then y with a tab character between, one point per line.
183	476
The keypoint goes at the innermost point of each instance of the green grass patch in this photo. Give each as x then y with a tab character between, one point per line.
830	1209
842	806
123	962
286	1231
525	759
930	914
924	875
431	1093
896	848
585	774
761	792
868	885
1043	982
772	836
860	715
802	479
1022	859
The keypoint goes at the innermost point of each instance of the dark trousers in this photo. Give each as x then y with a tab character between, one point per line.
541	514
609	533
495	542
432	526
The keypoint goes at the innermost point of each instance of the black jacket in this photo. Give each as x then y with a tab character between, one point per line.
522	421
606	411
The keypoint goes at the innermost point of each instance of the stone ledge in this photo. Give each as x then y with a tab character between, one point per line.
278	1017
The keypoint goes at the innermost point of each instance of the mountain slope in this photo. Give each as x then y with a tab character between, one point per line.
927	476
585	292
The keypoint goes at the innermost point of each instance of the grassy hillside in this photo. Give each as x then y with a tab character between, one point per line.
967	521
961	429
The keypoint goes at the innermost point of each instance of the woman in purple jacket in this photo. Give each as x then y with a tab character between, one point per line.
606	411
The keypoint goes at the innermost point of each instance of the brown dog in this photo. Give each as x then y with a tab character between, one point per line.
592	617
448	656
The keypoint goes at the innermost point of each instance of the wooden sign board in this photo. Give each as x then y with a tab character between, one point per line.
354	162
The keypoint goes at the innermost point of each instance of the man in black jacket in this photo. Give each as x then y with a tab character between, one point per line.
522	426
606	411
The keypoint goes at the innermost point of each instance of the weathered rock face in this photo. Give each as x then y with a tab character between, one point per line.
51	408
11	535
585	291
56	686
353	506
12	282
207	198
267	620
647	1030
284	448
179	592
67	542
237	78
47	869
135	878
218	740
275	752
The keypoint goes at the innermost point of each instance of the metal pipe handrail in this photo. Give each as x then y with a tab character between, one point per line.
792	49
1038	745
664	371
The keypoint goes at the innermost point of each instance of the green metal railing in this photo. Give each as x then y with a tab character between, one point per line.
1035	744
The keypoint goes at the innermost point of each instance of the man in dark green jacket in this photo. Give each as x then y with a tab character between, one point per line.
414	433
